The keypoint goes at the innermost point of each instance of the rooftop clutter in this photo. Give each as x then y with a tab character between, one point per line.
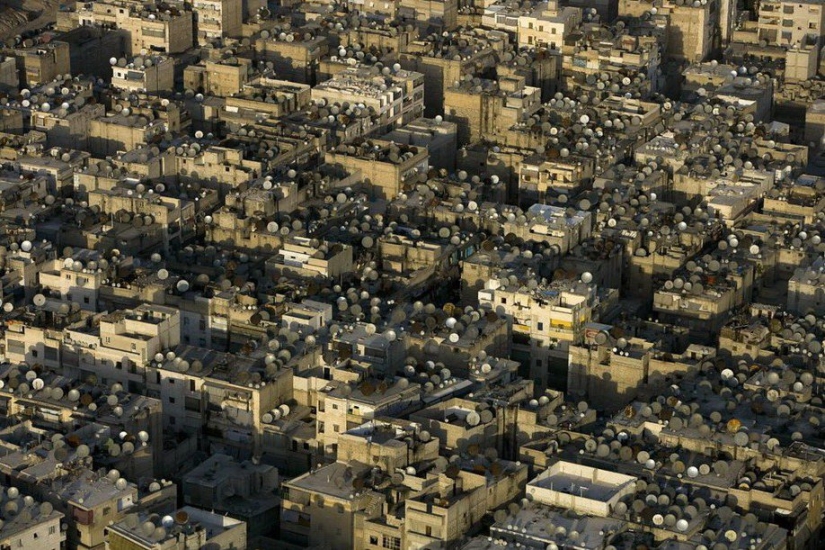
412	275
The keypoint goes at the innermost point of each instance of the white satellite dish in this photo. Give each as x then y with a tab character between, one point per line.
473	418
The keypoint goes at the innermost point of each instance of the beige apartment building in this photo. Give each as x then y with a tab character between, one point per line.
806	290
293	57
430	15
298	257
385	442
31	522
322	506
150	74
784	23
441	73
452	504
692	26
395	99
151	30
188	527
547	26
543	176
606	371
219	78
8	73
217	19
116	347
346	408
387	169
119	133
42	62
484	109
545	320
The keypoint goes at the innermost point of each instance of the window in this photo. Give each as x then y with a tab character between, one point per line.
192	385
541	325
812	26
171	420
16	346
172	400
334	407
429	531
504	300
394	543
107	510
336	428
52	530
373	539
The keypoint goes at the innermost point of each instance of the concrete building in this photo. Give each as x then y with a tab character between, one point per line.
42	62
394	99
322	505
245	491
217	19
584	490
294	56
28	523
9	79
298	257
149	27
187	528
806	294
438	137
485	108
346	408
151	74
545	320
789	24
548	26
221	78
384	167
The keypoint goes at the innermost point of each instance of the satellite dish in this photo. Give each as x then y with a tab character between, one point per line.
473	418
